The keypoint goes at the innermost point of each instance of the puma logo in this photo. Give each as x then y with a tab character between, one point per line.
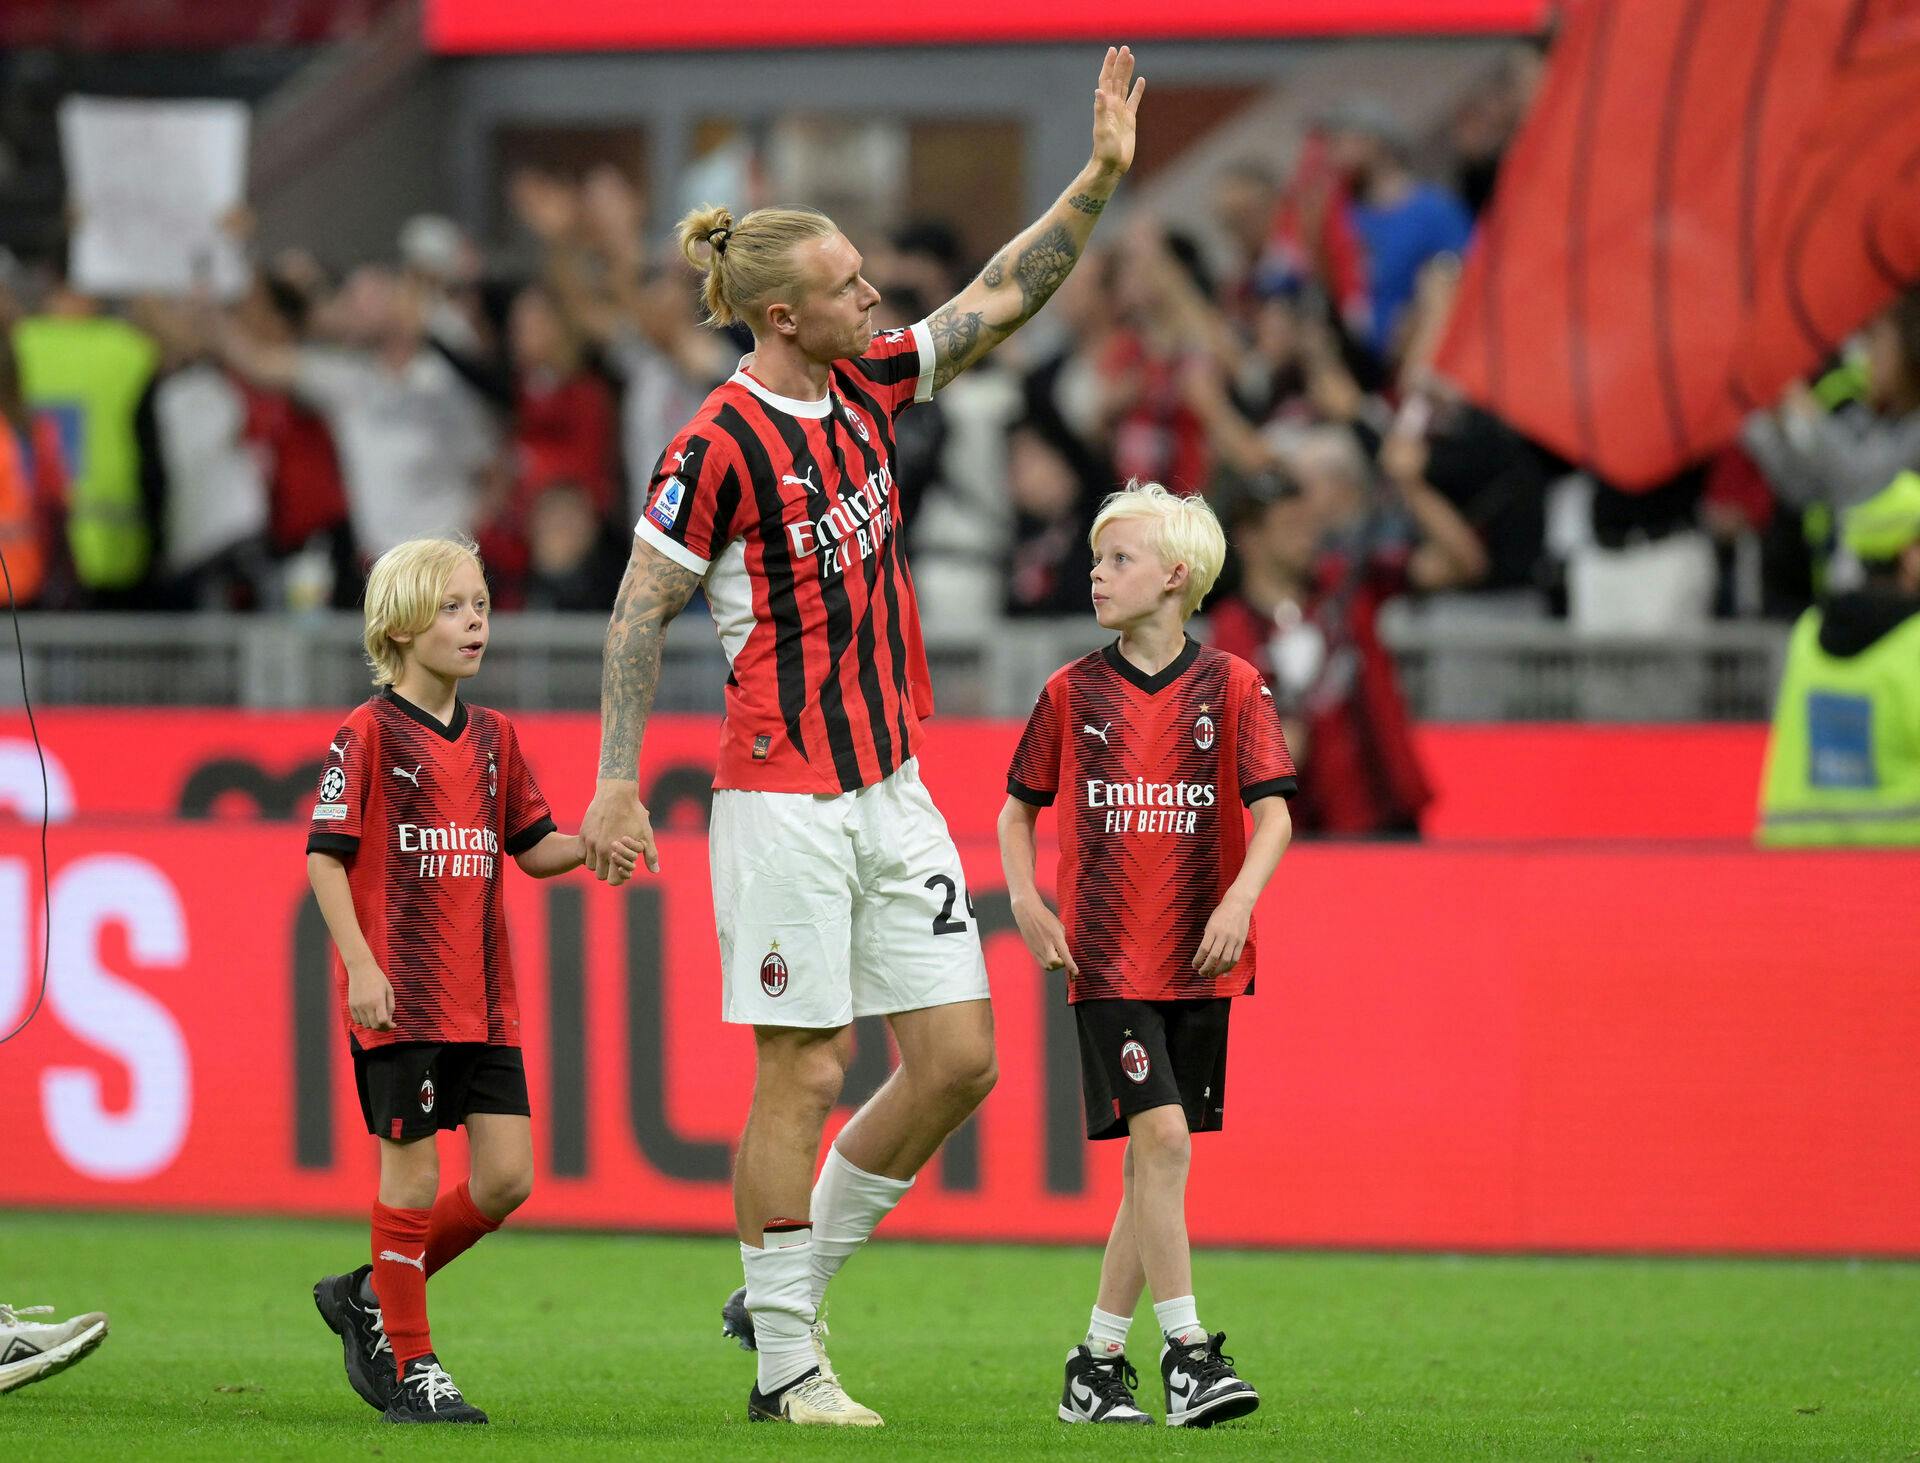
412	777
394	1255
1100	732
339	749
806	482
680	458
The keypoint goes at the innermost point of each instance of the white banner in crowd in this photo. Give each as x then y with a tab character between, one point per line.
150	184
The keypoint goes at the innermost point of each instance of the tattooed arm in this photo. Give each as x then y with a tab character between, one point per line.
654	590
1024	275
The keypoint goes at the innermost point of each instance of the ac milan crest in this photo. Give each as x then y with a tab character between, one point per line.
858	425
773	973
493	776
426	1095
1203	732
1135	1062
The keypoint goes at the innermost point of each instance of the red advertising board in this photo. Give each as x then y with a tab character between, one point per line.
462	26
1494	783
1631	1047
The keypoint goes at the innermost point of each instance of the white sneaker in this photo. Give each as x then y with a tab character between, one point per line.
31	1351
816	1400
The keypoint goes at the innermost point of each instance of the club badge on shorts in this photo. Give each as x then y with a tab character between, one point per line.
426	1095
1135	1062
773	972
1203	729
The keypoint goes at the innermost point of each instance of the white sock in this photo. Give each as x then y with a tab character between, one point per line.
848	1204
1107	1333
781	1308
1179	1319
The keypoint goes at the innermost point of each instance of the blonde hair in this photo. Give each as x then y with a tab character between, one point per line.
403	596
749	263
1184	532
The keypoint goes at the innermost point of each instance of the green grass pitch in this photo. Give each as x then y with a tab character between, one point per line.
598	1346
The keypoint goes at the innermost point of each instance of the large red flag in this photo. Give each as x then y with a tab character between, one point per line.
1706	198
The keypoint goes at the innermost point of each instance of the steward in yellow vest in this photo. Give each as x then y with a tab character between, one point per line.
1843	765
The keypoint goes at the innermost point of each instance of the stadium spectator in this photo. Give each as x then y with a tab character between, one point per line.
413	436
1835	444
308	530
200	470
87	370
1320	552
1402	220
33	491
573	561
1843	765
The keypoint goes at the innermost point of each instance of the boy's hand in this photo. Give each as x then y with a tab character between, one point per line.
623	860
1225	937
370	997
1046	937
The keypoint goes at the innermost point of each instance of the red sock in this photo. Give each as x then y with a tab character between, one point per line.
458	1225
400	1280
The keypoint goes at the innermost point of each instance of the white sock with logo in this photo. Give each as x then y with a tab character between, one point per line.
782	1310
1107	1334
1179	1320
848	1204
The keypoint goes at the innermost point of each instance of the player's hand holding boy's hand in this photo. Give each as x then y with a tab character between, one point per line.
1225	936
1046	937
616	814
370	997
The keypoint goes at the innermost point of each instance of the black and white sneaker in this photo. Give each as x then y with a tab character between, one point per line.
427	1394
1202	1388
363	1338
1099	1390
737	1321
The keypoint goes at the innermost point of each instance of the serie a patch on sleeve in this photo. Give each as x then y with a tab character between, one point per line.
664	510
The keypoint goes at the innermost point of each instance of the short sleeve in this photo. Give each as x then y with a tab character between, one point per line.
1034	776
339	809
524	810
1262	761
693	499
898	368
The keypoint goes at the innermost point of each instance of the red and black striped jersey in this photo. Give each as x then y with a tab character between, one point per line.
1154	771
422	815
791	512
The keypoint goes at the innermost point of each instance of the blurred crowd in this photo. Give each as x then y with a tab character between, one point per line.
1272	353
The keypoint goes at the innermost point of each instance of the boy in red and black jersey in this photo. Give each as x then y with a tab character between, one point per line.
1155	744
421	796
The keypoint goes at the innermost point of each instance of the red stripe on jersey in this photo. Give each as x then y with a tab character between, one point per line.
1148	775
832	669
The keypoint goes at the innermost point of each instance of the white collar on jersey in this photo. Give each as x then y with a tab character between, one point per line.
792	406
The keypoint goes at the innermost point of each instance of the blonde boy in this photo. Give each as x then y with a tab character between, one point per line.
420	795
1156	743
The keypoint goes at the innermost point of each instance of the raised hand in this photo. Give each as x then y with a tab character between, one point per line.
1116	102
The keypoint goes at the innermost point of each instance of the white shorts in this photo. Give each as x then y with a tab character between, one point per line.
832	907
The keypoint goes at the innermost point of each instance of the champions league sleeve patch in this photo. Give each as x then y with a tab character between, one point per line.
664	510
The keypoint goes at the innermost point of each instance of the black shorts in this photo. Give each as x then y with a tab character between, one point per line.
1140	1054
413	1089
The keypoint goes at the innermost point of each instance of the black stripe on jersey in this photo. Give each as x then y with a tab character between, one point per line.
890	370
892	565
783	602
833	596
726	503
873	567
